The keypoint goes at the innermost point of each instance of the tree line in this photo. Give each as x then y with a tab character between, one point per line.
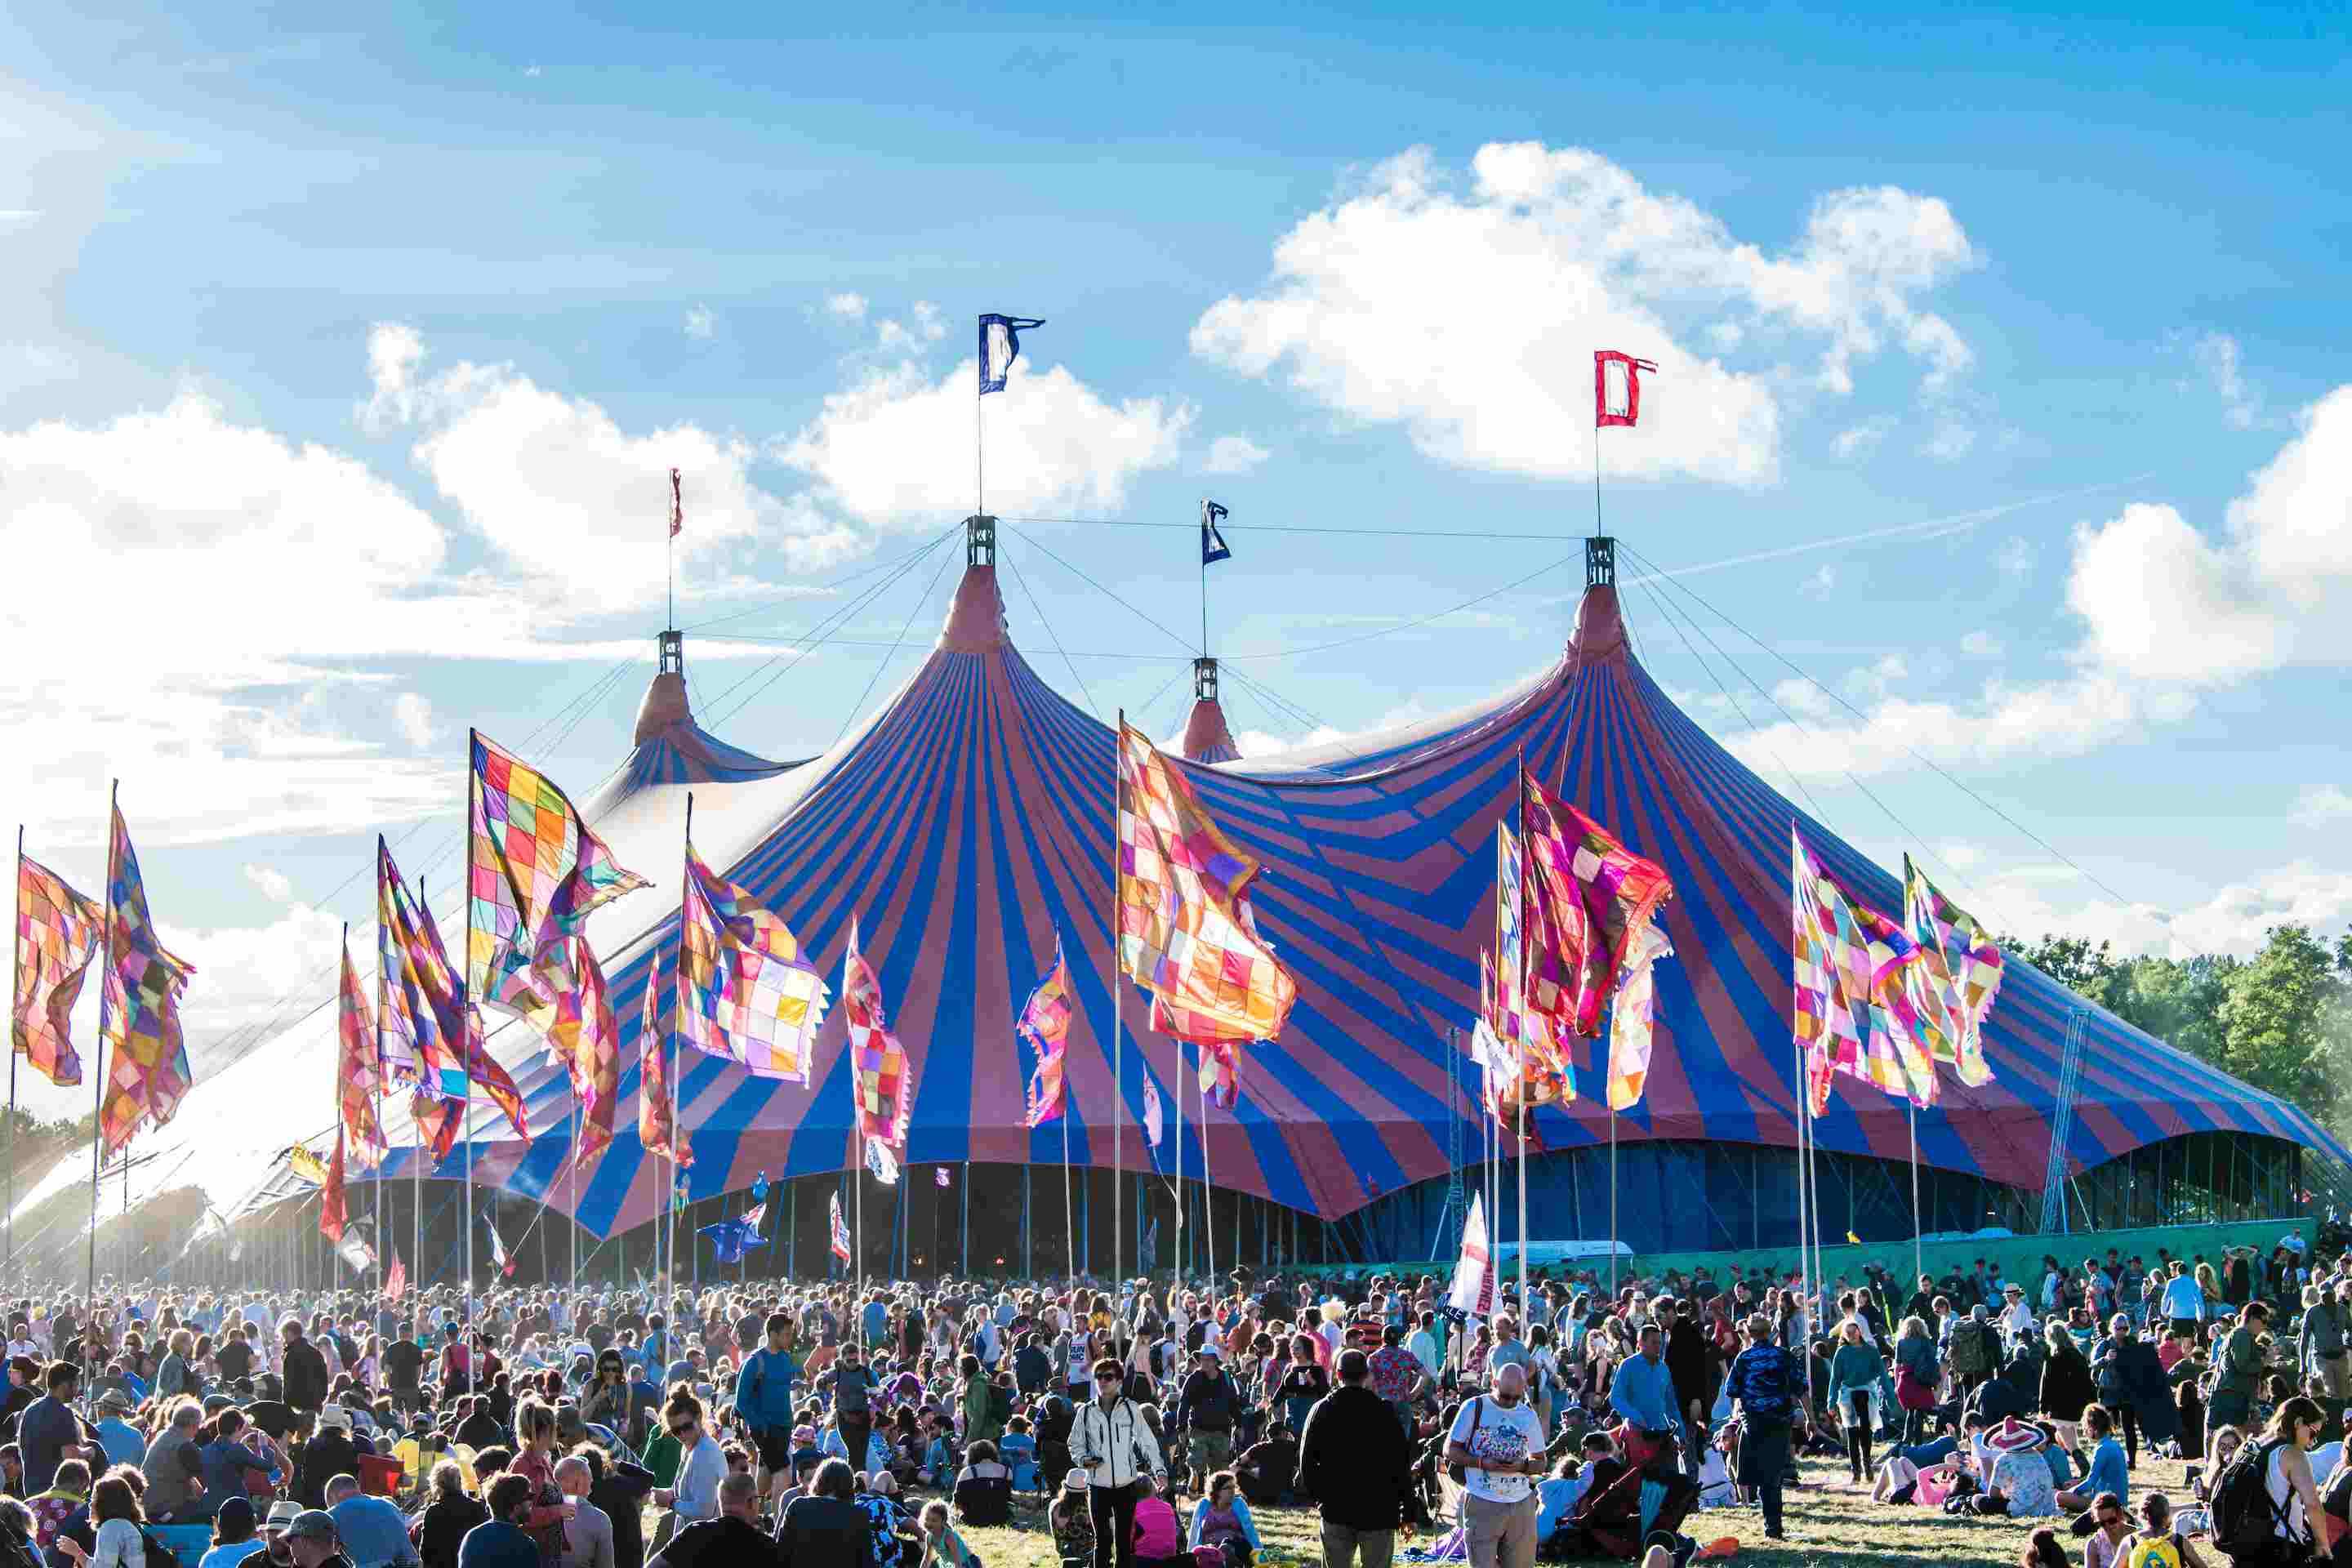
2281	1020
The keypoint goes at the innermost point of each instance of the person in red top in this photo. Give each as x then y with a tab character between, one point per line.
1398	1378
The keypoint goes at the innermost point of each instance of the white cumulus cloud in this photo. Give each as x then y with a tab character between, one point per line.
894	448
1235	455
271	882
412	715
2323	804
2218	356
2163	600
1466	311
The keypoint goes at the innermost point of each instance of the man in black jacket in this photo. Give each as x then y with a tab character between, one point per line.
1355	1464
306	1371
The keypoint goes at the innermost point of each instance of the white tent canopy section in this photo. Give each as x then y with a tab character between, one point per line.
237	1122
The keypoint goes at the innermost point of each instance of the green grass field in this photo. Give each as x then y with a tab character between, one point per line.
1828	1522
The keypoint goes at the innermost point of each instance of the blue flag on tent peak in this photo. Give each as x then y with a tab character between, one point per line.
759	1188
1000	345
1213	542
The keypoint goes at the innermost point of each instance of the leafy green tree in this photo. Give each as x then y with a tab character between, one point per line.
2282	1018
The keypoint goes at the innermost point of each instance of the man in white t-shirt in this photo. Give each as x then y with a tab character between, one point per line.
1499	1442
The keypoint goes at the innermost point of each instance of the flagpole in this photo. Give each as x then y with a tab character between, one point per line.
16	1000
1208	1197
1918	1237
1118	1012
97	1084
857	1244
1178	1046
1613	1202
416	1170
1525	1110
966	1270
465	1004
668	1224
1069	1200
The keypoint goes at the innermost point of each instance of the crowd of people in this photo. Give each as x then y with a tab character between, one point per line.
831	1425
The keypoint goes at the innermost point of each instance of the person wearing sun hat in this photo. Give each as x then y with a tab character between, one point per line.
2017	1474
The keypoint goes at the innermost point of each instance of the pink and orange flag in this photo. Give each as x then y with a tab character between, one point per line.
1587	899
883	1080
147	1068
1044	1023
57	935
1186	932
657	1116
583	1038
357	1081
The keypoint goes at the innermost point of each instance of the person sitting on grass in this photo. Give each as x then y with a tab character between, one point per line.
1072	1522
2109	1470
2158	1543
1222	1521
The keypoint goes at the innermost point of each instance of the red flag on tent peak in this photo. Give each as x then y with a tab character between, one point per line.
1617	387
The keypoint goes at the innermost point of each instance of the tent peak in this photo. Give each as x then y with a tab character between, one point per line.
975	622
665	703
1207	738
1600	627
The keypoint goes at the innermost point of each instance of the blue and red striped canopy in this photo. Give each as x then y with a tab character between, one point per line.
971	820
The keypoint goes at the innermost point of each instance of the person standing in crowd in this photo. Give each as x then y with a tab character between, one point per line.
1498	1441
763	1400
1767	1387
1355	1466
2238	1362
693	1497
1114	1445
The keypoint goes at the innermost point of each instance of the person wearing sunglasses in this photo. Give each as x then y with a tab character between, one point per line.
1113	1443
700	1467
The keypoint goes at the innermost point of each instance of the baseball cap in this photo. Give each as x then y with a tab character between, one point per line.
312	1524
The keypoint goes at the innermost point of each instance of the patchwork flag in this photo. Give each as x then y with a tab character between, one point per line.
331	1216
1588	900
1958	976
1044	1023
1152	1117
1212	540
884	1082
744	992
1633	1020
840	1231
1847	977
1617	388
147	1073
676	506
1540	1070
57	935
581	1036
657	1116
420	1021
1220	1076
1186	933
439	1121
1000	345
534	873
882	1161
356	1083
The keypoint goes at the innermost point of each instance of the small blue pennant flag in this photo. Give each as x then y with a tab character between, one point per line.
1212	543
1000	345
759	1188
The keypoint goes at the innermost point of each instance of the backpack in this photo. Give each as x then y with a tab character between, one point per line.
157	1555
2245	1520
1000	1404
1155	1534
1971	1356
2163	1551
1460	1474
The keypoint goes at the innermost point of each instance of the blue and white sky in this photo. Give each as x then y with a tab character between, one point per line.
2004	390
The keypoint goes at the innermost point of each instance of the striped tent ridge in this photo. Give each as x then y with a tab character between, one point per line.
970	817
